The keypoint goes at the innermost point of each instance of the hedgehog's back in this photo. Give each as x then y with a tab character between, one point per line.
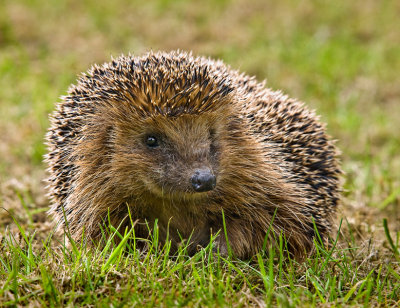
296	141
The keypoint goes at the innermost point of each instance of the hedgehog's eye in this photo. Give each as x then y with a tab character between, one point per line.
151	142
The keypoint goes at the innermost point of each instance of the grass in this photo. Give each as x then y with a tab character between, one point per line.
341	57
54	274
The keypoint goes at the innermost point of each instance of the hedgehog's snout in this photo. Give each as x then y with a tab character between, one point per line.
203	180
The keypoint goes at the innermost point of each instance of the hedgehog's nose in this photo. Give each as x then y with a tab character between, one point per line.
203	180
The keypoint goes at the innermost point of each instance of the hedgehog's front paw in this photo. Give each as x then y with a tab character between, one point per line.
219	245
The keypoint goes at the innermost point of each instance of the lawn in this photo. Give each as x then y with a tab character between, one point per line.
341	57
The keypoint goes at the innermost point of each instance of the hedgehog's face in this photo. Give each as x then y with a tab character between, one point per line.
172	157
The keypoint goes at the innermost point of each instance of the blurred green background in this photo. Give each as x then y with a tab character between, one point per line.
341	57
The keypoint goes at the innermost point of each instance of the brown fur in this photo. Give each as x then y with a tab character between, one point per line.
270	155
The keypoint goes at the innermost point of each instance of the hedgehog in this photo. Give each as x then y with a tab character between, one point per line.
195	147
